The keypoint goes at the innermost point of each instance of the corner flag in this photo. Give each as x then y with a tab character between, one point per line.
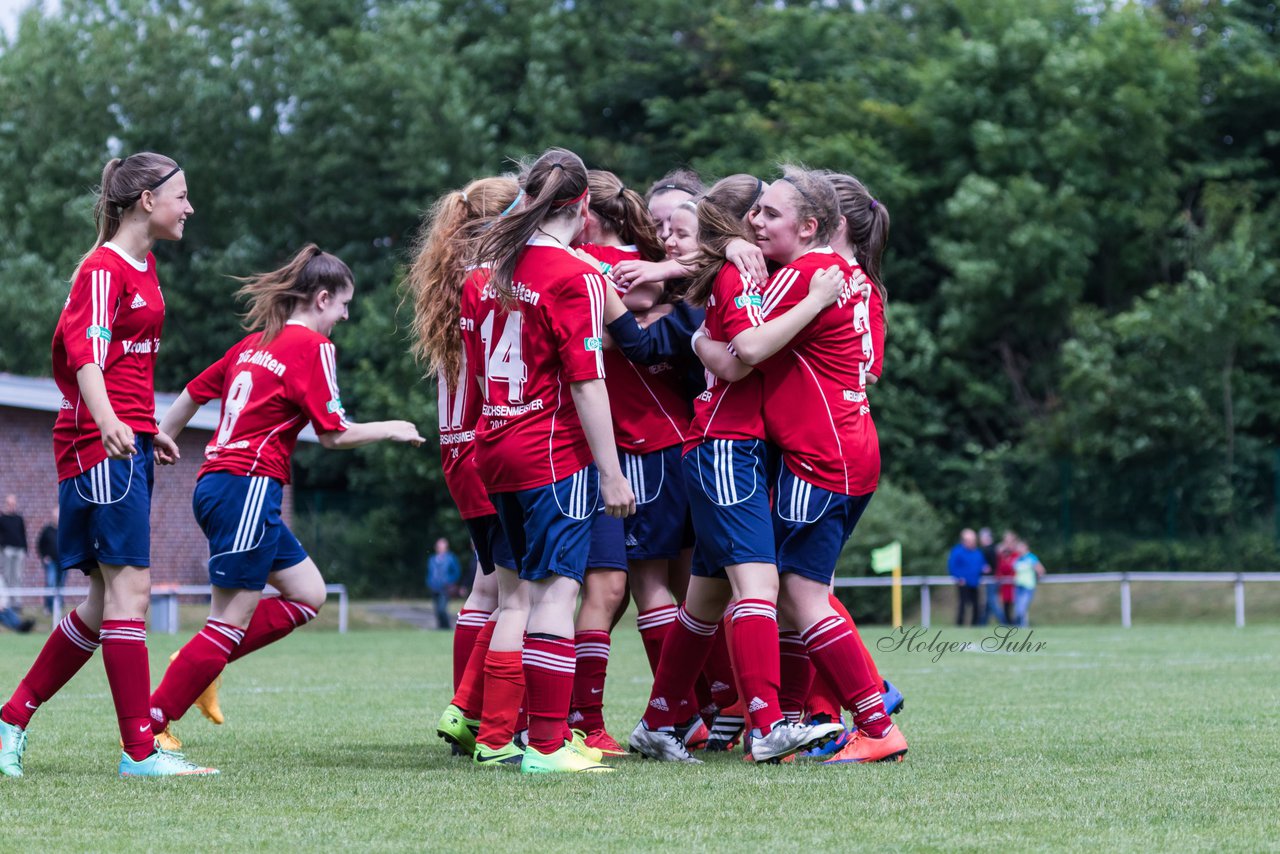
888	558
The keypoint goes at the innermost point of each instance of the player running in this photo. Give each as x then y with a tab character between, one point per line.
272	383
106	443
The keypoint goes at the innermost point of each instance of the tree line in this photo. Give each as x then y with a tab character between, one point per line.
1081	272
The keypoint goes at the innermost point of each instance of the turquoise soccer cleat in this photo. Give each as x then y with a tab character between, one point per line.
13	743
162	763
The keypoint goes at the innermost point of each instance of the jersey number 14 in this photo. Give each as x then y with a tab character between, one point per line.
502	360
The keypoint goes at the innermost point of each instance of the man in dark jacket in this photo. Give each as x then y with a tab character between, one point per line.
13	553
48	549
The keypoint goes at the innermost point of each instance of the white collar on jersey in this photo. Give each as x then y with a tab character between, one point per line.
294	323
631	248
140	266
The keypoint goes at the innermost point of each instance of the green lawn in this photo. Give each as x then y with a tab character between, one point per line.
1156	738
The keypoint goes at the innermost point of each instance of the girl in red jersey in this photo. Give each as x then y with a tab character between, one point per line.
544	444
105	440
480	720
272	383
831	461
724	465
648	414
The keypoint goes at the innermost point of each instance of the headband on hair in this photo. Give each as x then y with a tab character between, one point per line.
802	193
514	202
682	188
571	202
174	171
759	192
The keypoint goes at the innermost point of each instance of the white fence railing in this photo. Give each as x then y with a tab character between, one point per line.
164	601
1125	579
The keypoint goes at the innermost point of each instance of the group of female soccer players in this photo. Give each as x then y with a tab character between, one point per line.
663	399
667	399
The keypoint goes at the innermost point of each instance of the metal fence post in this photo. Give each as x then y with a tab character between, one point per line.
925	602
1126	617
1239	601
342	611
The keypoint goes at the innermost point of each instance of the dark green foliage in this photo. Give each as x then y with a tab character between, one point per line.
1083	293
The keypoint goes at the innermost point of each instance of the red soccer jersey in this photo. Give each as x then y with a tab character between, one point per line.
112	318
269	392
729	410
525	357
459	406
649	413
815	397
873	340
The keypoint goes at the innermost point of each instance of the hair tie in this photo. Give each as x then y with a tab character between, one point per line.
514	202
174	171
874	202
463	193
621	190
557	165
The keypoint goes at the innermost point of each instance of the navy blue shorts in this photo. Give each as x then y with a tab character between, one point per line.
811	525
657	529
608	542
105	514
240	516
729	500
490	543
549	527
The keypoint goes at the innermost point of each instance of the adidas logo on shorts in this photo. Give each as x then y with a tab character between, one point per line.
660	703
138	302
756	705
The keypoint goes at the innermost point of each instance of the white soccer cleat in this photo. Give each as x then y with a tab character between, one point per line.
660	744
786	738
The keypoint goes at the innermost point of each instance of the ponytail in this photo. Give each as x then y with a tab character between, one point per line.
123	183
866	225
624	213
439	269
274	296
555	186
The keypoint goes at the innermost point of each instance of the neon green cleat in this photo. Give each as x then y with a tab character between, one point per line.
564	760
162	763
456	728
13	743
579	744
506	755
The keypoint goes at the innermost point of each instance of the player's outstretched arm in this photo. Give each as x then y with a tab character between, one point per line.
373	431
592	401
755	345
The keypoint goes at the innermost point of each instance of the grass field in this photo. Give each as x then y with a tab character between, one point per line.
1155	738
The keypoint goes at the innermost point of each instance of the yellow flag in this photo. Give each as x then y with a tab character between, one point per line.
888	558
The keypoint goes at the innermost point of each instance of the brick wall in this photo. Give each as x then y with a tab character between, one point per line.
178	548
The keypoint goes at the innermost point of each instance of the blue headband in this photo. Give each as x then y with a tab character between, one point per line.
514	202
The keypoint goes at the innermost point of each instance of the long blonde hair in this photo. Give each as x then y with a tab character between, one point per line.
439	269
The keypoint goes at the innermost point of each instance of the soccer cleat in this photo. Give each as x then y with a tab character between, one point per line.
521	739
162	763
786	738
509	754
726	731
893	702
829	748
693	733
891	747
579	743
207	702
13	743
605	743
456	728
167	739
564	760
661	744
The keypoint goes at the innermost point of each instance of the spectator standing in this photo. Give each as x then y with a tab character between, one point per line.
1027	571
13	552
47	546
443	573
991	610
1006	554
966	565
